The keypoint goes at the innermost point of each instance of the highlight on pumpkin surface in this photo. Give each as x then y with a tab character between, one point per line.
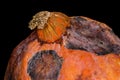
50	25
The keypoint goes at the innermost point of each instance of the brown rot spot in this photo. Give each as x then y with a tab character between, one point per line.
44	65
90	35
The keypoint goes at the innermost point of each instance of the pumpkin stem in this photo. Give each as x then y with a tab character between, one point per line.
50	25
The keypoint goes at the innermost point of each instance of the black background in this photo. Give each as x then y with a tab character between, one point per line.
16	15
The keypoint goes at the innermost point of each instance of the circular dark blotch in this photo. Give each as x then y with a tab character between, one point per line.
44	65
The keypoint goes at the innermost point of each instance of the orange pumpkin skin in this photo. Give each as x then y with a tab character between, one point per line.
88	66
77	64
60	58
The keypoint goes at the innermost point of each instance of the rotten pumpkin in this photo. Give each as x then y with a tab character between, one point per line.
66	48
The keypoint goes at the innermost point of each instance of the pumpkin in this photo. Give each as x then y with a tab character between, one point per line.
66	48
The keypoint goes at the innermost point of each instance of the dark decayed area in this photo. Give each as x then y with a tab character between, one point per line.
92	36
15	16
51	65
